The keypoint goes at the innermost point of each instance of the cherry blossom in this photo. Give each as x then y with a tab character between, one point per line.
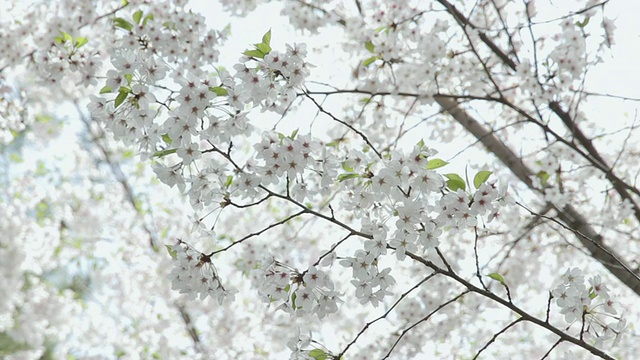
343	219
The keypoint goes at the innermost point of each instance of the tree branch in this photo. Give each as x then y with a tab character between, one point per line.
587	236
511	306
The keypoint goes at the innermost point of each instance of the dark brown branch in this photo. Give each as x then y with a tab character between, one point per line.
511	306
405	331
464	22
305	209
193	333
551	349
366	326
249	236
360	133
495	336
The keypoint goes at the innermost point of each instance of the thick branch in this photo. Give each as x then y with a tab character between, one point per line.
587	236
620	186
464	22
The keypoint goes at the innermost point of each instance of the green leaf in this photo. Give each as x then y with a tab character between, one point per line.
166	138
42	118
592	295
122	23
266	38
481	177
146	19
347	168
263	48
497	277
15	158
125	3
137	16
122	96
369	46
583	23
80	41
41	169
9	346
455	182
219	91
420	143
63	38
318	354
229	181
172	253
129	78
543	176
454	185
370	60
293	134
42	210
343	177
106	89
163	153
436	163
254	53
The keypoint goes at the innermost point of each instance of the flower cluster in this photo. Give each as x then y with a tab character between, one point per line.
299	344
289	157
147	52
195	275
459	211
569	54
11	113
308	293
590	306
204	109
418	205
204	113
370	283
267	79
